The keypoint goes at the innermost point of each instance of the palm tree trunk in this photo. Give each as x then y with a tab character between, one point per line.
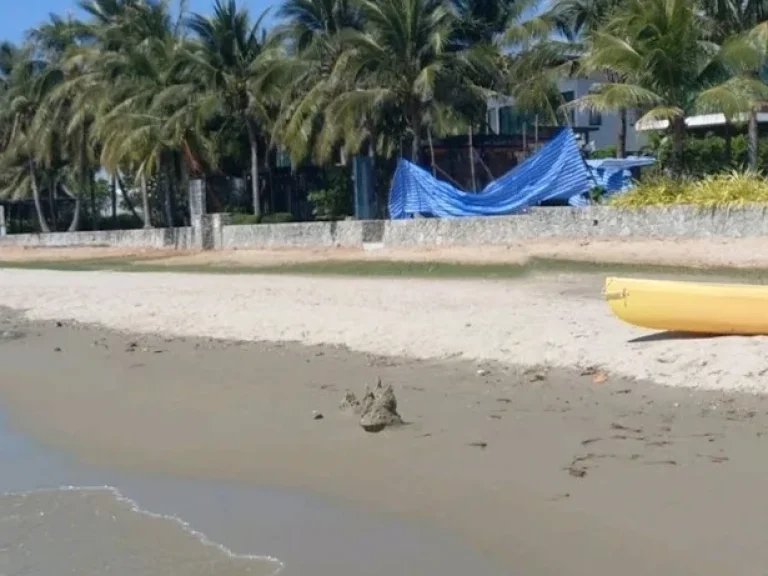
678	142
754	140
36	196
253	141
127	198
432	153
145	202
114	199
164	187
94	215
472	158
74	224
621	137
184	181
52	203
416	129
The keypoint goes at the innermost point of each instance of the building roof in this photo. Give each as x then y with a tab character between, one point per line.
699	121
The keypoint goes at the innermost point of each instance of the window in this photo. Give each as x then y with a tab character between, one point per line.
510	121
283	159
595	118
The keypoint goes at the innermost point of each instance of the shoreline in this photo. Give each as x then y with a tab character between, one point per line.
221	410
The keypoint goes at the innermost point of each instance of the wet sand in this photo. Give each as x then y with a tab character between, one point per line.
542	471
96	531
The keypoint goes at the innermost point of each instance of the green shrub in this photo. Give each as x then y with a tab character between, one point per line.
733	188
245	219
604	152
709	154
276	218
334	201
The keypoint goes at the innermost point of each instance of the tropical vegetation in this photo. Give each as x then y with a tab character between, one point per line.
137	97
729	188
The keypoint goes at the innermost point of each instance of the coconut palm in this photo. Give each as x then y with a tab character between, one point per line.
313	33
26	84
152	116
404	61
230	54
744	93
577	20
663	50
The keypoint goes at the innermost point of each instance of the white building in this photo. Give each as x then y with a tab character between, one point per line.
601	128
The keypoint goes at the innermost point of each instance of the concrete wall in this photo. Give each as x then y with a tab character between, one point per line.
344	233
212	231
177	238
596	221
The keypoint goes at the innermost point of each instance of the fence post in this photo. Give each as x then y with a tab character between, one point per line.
3	230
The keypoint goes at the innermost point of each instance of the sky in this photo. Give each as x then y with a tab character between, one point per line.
20	15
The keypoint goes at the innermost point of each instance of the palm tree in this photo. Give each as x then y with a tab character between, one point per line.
25	87
313	33
151	117
405	61
744	93
578	20
663	50
230	54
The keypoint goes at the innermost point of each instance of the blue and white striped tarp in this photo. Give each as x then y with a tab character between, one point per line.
556	172
614	174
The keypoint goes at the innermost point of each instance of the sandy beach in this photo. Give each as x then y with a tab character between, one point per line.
742	253
537	431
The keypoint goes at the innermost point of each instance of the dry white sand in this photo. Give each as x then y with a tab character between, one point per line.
550	320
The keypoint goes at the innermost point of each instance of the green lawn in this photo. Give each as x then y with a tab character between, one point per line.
403	269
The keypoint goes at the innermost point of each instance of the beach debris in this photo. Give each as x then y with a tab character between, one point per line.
379	408
598	376
576	471
350	403
483	372
57	349
481	445
623	428
317	415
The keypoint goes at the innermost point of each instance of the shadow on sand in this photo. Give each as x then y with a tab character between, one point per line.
675	335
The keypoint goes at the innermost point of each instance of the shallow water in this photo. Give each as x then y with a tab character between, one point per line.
153	526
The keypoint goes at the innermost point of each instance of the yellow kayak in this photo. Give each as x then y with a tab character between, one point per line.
689	306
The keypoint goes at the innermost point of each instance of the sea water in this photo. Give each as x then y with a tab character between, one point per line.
58	517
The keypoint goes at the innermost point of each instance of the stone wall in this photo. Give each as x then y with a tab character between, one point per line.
344	233
595	221
213	231
171	238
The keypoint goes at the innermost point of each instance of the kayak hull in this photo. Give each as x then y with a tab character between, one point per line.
689	306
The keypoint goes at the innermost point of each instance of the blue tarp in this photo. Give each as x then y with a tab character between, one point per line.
614	174
556	172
